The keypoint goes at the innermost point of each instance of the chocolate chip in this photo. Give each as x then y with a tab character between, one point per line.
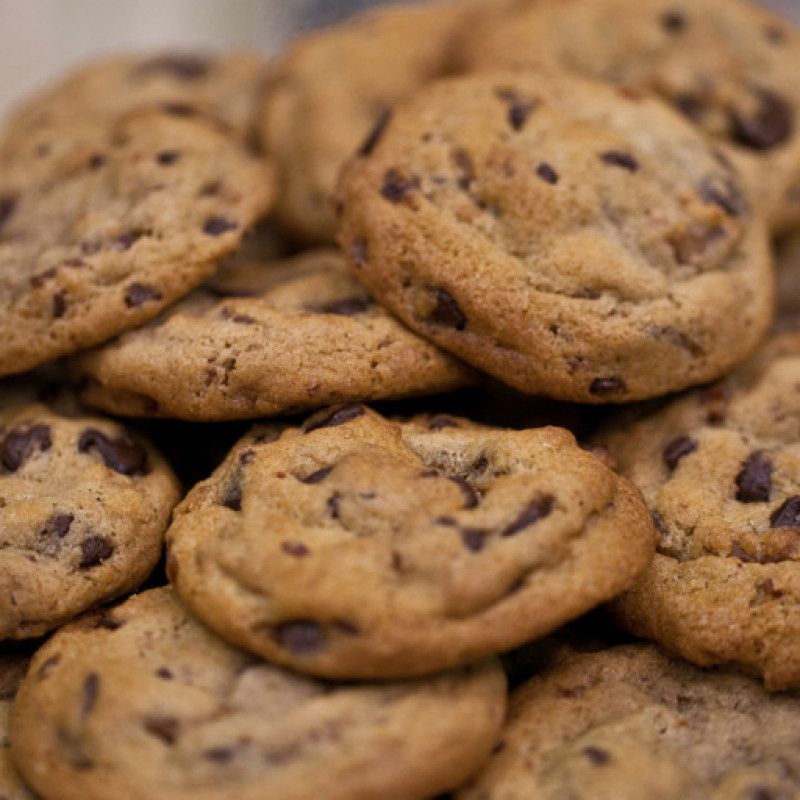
125	240
673	21
518	113
216	226
168	157
446	522
20	443
547	173
471	498
231	496
95	550
91	690
122	455
47	667
297	549
332	505
97	161
618	158
787	515
775	34
679	447
8	202
106	622
447	312
770	126
441	422
59	304
474	539
466	170
138	294
220	755
374	136
358	251
164	673
178	109
58	525
596	756
40	278
301	636
754	480
347	306
337	417
538	508
724	193
762	793
163	727
603	386
184	66
690	105
317	476
396	188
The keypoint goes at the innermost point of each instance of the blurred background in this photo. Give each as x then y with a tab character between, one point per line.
39	38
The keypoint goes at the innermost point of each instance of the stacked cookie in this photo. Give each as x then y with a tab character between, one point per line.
454	238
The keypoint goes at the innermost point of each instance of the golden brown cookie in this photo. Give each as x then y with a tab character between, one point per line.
12	670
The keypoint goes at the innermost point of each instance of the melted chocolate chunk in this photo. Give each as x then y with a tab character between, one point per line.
677	449
771	125
474	539
216	226
374	136
787	515
20	443
231	496
691	106
604	386
91	690
121	454
465	169
338	417
754	480
220	755
547	173
618	158
673	21
297	549
318	476
724	193
518	113
137	294
167	157
163	727
97	161
537	509
596	756
58	525
94	551
302	636
183	66
471	497
59	304
447	312
8	202
396	188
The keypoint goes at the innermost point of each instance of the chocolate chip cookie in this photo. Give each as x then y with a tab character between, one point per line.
147	701
226	88
12	669
728	66
331	92
83	509
567	238
102	230
353	547
630	722
720	472
788	267
266	338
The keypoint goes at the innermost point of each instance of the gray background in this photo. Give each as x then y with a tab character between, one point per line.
39	38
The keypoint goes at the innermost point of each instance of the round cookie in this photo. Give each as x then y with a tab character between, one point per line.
12	669
266	338
729	66
568	239
83	510
720	472
147	701
630	722
355	548
226	88
332	87
102	230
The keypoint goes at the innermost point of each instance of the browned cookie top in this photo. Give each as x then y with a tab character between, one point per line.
83	509
354	547
720	472
144	703
103	226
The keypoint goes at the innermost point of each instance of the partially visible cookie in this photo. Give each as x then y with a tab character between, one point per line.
147	701
720	472
226	88
571	240
333	87
354	547
266	338
729	66
788	270
111	224
83	509
631	723
12	669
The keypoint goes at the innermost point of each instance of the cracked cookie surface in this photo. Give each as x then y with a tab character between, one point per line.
567	238
354	547
332	87
146	700
109	224
632	722
728	66
83	510
265	338
720	472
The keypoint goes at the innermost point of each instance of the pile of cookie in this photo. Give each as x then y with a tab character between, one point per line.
409	414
